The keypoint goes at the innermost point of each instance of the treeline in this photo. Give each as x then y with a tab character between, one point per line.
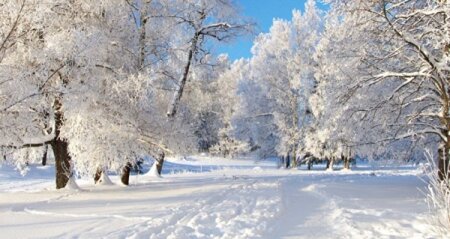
106	82
347	79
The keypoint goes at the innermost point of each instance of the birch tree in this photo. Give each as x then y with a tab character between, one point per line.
204	20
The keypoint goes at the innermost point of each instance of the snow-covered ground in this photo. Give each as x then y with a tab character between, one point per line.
216	198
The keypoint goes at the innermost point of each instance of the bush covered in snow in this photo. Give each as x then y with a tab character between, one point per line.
438	199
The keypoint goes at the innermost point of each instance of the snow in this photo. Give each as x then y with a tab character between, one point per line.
105	180
219	198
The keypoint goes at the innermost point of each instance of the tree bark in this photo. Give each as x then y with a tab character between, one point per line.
308	159
98	175
346	162
443	162
125	177
288	161
294	158
444	149
62	162
60	149
160	162
44	156
330	163
143	18
177	96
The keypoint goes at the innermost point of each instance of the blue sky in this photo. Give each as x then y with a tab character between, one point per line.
262	12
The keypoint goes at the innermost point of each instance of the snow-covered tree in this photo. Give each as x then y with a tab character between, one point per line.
93	79
399	90
59	58
334	127
251	121
282	66
204	21
67	78
229	144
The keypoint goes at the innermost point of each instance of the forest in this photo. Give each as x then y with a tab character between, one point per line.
98	86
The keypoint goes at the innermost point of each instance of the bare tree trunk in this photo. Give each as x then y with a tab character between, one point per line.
443	161
346	162
177	96
294	158
125	177
143	18
330	163
160	162
98	175
308	158
62	163
288	161
443	151
60	149
44	156
281	161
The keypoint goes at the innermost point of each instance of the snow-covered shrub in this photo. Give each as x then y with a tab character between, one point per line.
230	148
438	199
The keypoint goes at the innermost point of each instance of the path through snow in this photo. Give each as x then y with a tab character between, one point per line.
240	202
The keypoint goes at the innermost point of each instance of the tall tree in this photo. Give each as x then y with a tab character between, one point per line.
405	60
204	20
283	66
63	74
